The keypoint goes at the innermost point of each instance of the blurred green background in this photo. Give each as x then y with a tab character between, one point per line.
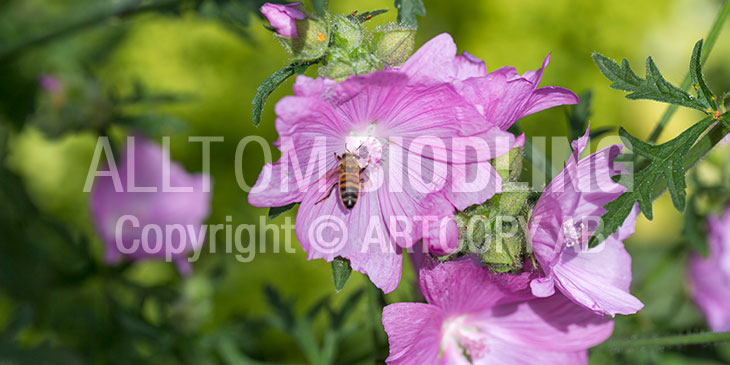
209	57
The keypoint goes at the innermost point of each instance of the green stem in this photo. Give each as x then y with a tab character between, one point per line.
123	10
707	47
674	340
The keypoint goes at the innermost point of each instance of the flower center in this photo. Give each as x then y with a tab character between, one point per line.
576	234
366	145
471	340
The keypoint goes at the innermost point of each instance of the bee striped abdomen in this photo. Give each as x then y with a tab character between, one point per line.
349	180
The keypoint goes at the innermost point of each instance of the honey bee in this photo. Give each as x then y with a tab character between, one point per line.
349	171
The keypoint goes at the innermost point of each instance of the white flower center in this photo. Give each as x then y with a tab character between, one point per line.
576	234
470	339
366	145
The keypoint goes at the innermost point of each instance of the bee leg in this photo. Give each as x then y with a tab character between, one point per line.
328	194
337	157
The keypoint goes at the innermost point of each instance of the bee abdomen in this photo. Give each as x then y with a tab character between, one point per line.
349	190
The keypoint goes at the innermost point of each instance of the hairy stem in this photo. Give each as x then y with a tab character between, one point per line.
708	44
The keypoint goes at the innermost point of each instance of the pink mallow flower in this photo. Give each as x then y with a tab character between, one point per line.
283	17
412	141
502	96
709	277
471	318
562	223
117	208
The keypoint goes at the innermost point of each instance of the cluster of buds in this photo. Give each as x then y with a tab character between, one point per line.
339	43
495	230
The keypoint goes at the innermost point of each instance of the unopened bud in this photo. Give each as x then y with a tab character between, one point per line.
509	165
346	33
283	17
312	41
504	250
393	46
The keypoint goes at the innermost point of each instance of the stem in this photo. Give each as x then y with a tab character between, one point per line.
674	340
123	10
707	47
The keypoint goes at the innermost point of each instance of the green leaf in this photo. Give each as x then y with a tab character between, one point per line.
363	17
277	211
341	271
408	10
654	87
704	94
271	83
320	6
665	161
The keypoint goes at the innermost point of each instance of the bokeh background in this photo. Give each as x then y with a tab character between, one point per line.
191	68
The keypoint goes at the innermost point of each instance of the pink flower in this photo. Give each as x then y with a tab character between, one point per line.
49	83
411	139
709	277
282	17
503	96
129	212
560	228
470	318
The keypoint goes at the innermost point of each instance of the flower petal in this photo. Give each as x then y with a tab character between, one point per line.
414	332
599	278
469	66
462	286
433	61
328	229
552	324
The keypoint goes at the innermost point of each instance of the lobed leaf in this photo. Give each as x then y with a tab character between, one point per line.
654	87
704	94
666	167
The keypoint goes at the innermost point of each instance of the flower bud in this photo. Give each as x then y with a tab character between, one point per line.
504	250
509	165
282	18
312	41
347	34
393	46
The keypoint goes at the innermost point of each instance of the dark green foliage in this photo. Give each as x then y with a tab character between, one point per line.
271	83
704	94
301	328
666	161
277	211
654	87
341	271
408	10
320	6
363	17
